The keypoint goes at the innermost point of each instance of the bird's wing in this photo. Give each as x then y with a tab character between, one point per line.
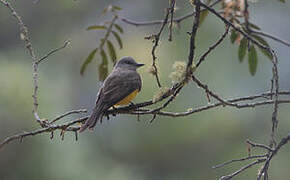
119	85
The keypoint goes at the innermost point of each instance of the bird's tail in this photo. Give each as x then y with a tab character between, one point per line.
90	123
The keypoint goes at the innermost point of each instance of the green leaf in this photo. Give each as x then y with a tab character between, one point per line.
116	8
103	68
119	28
283	1
96	27
234	36
112	51
254	26
204	13
118	38
202	16
88	60
265	43
261	40
253	60
266	53
242	49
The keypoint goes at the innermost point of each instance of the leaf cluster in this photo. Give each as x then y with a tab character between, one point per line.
246	47
236	12
106	45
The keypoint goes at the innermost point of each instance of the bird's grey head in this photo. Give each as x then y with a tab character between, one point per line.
128	63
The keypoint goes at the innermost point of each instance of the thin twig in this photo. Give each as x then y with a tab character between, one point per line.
153	111
230	176
212	47
108	32
259	145
67	42
67	113
158	22
246	16
171	19
156	38
275	38
214	95
238	160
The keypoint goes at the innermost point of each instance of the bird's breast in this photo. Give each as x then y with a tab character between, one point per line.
127	99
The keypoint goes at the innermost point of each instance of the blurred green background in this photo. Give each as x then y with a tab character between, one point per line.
122	148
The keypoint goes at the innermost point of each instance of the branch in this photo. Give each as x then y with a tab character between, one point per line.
212	47
260	158
25	37
171	20
214	95
271	37
276	93
51	129
192	37
227	22
24	34
239	160
230	176
157	22
275	77
259	145
156	38
66	114
67	42
136	110
264	170
131	108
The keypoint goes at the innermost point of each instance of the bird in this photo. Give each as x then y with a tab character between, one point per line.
119	88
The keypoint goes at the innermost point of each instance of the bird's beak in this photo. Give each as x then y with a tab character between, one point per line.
139	64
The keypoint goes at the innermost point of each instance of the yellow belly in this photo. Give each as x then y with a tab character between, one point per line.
127	99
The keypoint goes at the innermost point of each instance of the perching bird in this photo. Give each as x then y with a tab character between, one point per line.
119	88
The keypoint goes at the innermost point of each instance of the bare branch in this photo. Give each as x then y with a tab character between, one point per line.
131	110
259	145
156	38
157	22
51	128
192	37
276	94
67	42
238	160
264	170
25	36
68	113
205	87
271	37
230	176
171	19
212	47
